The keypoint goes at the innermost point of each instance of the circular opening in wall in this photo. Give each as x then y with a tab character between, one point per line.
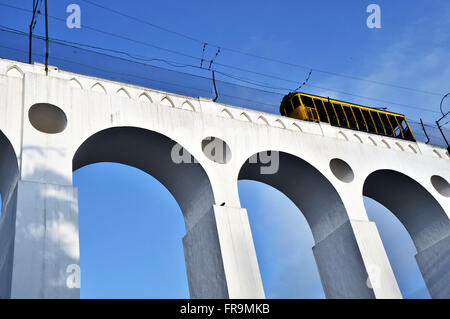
341	170
47	118
441	185
216	150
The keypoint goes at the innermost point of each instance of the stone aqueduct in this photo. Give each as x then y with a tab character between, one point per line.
324	170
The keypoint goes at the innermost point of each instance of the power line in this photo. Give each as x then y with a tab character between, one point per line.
187	55
332	90
268	107
174	64
266	85
263	57
144	22
163	49
136	57
256	83
110	34
170	63
374	99
159	48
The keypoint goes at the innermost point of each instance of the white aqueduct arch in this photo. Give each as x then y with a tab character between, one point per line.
424	219
329	222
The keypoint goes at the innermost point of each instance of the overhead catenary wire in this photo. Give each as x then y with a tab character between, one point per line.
133	56
126	78
110	34
161	48
332	90
241	79
252	82
269	107
317	70
196	58
143	21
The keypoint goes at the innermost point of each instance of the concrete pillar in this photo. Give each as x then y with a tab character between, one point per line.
220	257
9	176
204	267
352	263
379	274
7	228
434	263
238	253
46	246
340	265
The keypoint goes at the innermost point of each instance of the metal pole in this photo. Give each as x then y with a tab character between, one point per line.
29	46
31	31
446	142
442	117
46	38
215	89
423	128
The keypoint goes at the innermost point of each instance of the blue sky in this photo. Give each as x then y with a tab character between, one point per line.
124	212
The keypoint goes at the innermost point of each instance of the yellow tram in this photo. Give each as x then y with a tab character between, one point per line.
309	107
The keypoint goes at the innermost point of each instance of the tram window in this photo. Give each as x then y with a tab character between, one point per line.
286	106
406	132
307	101
397	128
359	118
401	122
331	114
398	132
387	126
350	117
370	124
340	114
378	123
321	110
296	101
